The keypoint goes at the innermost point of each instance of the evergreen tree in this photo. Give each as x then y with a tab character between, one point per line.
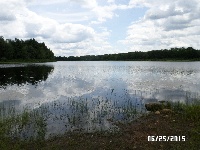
27	50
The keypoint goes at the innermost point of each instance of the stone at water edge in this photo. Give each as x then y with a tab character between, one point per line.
157	112
153	106
166	111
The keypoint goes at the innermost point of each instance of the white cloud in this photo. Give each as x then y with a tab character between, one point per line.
72	33
79	27
111	1
64	38
67	36
166	24
6	16
76	17
90	46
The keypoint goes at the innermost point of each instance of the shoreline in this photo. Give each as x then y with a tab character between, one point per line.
44	61
182	121
169	60
25	61
134	135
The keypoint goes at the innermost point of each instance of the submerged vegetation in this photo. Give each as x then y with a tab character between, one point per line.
19	129
37	125
24	51
163	55
29	129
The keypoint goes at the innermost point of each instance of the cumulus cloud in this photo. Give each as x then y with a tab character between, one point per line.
17	20
73	33
79	27
167	23
5	16
91	46
24	23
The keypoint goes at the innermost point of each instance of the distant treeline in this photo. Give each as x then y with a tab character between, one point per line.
172	54
13	50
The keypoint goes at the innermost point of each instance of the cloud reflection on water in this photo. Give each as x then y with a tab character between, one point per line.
74	79
107	89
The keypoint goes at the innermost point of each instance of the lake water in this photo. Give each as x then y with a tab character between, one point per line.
88	96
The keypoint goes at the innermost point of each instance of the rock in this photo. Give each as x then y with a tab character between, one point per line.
158	106
153	106
166	111
157	112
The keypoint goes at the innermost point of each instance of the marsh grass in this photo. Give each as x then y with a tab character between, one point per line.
188	111
189	115
18	129
78	115
133	135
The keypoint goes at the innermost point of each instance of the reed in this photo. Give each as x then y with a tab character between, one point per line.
18	128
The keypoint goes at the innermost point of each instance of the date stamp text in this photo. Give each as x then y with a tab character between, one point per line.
166	138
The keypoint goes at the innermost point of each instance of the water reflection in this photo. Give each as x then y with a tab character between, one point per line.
24	74
89	96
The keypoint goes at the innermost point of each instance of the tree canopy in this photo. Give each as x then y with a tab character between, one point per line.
171	54
24	50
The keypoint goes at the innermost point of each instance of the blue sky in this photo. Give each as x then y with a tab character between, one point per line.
93	27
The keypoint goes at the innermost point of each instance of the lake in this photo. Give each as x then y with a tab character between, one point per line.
89	96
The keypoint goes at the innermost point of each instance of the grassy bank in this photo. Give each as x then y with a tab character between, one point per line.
183	120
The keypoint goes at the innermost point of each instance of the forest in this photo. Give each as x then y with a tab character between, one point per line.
28	50
171	54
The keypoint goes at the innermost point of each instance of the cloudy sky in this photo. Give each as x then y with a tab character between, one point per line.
93	27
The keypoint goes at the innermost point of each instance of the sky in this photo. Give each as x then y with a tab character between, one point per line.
96	27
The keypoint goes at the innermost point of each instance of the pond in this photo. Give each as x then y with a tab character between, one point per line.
88	96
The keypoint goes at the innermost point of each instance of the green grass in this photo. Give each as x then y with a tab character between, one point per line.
189	115
187	111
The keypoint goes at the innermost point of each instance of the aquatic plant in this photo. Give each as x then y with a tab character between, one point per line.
19	128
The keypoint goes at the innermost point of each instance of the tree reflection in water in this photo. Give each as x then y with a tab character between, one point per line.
24	74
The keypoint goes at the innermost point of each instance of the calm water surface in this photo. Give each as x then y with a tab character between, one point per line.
89	95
